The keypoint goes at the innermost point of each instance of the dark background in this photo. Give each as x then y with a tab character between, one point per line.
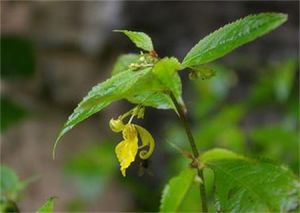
52	53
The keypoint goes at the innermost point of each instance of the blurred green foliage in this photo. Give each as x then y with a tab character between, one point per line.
92	169
11	113
19	58
11	188
219	121
17	63
11	192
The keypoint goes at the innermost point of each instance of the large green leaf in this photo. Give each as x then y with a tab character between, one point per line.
131	85
47	206
140	39
119	86
176	190
231	36
247	185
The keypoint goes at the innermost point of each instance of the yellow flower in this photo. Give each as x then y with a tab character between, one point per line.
116	125
127	149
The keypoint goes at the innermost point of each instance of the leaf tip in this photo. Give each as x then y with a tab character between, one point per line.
54	147
284	15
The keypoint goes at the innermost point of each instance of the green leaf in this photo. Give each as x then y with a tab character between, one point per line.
203	72
127	84
143	86
166	71
247	185
175	191
231	36
123	62
157	100
47	206
117	87
140	39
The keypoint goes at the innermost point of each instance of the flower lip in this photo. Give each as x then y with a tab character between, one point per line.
129	132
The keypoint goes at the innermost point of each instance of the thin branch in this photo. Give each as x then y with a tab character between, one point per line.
183	118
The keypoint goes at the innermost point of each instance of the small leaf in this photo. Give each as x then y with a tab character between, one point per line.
166	71
247	185
140	39
175	191
203	72
123	62
231	36
47	206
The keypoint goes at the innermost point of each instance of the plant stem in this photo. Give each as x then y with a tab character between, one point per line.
183	118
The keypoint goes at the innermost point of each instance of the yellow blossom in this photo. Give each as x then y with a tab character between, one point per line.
116	125
127	149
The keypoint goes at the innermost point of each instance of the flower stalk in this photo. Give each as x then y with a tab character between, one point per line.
182	115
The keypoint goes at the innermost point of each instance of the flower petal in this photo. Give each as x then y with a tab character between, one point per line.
126	150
